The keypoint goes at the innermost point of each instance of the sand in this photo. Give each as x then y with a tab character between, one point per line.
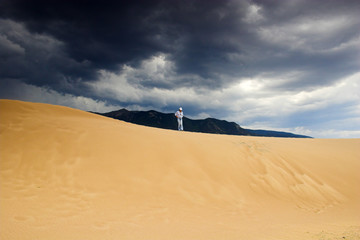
69	174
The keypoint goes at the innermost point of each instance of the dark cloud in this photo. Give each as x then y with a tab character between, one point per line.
38	59
204	38
65	43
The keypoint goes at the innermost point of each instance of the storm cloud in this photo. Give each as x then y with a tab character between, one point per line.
259	63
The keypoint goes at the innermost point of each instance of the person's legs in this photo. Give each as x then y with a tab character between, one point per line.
180	124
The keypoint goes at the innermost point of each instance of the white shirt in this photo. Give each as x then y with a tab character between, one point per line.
179	114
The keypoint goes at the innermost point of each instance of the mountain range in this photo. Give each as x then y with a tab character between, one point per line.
209	125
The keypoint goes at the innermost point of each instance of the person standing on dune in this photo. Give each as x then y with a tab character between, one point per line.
179	115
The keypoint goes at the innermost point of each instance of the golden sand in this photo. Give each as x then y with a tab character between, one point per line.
69	174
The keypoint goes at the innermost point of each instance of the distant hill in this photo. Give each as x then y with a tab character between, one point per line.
209	125
268	133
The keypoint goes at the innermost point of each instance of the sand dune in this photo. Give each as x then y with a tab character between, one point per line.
69	174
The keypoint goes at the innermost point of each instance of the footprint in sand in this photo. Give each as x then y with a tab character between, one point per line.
101	226
282	178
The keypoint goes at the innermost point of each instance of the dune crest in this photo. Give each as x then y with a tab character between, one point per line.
69	174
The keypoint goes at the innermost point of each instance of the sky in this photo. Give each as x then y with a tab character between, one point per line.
291	65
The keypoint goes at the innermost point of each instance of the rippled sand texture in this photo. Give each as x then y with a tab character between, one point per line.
69	174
